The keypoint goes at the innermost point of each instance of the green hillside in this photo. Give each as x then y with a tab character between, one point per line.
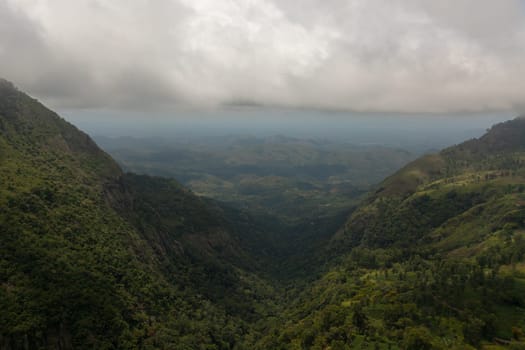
94	258
433	259
437	198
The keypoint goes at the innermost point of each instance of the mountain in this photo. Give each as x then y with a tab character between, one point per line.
439	199
432	259
91	257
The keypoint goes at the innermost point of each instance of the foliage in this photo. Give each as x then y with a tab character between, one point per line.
432	259
94	258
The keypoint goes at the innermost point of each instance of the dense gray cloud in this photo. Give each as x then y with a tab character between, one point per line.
366	55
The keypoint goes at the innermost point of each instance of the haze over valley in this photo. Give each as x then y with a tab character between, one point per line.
262	174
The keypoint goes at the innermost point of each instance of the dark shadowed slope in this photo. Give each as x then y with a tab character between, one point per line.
93	258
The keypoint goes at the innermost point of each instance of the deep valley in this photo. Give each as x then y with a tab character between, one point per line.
256	243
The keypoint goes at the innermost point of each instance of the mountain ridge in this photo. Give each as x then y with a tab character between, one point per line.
91	257
492	156
433	259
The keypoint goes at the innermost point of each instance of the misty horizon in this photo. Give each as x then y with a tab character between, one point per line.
412	132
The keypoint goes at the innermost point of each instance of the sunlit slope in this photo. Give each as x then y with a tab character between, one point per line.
433	259
465	193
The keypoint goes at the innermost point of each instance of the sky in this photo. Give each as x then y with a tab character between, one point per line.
401	56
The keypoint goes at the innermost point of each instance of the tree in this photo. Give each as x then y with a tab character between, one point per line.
359	319
417	338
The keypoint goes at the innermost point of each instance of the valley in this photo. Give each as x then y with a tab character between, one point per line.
262	175
298	191
256	243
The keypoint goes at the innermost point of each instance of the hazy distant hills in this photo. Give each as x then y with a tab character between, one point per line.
299	191
226	158
91	257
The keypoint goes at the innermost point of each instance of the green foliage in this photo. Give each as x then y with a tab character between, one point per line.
431	260
417	338
297	192
94	258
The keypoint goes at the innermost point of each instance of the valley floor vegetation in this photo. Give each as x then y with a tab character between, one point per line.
92	257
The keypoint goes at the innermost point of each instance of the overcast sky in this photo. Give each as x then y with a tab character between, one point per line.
361	55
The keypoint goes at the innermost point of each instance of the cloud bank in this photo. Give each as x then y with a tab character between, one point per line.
362	55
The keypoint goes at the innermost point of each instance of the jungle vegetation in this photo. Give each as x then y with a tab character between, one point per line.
92	257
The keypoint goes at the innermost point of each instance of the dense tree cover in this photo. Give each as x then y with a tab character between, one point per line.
433	259
297	191
373	299
94	258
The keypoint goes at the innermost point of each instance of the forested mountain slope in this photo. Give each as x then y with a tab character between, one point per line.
433	259
475	186
91	257
94	258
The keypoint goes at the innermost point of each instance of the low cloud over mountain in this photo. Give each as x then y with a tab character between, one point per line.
378	55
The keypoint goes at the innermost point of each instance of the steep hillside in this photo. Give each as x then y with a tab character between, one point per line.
439	197
93	258
433	259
